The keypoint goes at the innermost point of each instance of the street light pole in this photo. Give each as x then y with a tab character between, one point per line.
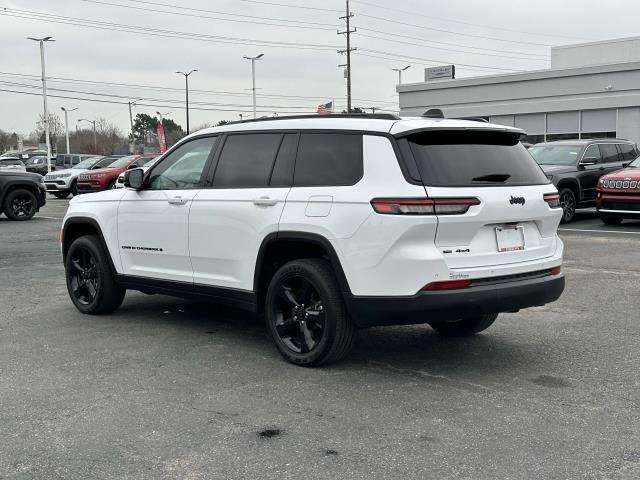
186	90
66	125
44	96
400	70
95	141
253	78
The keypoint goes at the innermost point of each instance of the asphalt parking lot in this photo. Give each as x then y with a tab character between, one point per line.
166	388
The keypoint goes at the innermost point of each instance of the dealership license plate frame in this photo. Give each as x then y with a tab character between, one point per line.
510	238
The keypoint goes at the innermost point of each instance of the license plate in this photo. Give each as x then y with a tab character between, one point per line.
510	239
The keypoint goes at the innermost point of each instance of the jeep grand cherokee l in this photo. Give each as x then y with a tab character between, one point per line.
575	166
326	225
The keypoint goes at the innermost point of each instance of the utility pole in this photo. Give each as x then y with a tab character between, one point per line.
253	77
347	33
373	109
44	96
400	70
186	89
66	124
131	117
95	140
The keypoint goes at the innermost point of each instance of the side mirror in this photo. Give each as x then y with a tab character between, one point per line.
134	178
625	164
132	166
588	161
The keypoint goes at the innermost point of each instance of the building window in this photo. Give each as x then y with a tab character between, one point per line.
533	139
598	135
552	137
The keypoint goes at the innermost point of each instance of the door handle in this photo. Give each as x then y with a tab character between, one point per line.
265	201
177	200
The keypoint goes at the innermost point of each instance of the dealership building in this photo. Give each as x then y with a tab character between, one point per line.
592	90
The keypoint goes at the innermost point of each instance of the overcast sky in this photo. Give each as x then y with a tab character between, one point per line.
480	37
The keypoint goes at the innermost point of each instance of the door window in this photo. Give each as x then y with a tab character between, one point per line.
609	153
592	154
328	159
183	167
247	160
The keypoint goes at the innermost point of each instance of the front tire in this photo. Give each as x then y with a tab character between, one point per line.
568	204
611	220
20	204
466	326
306	316
90	281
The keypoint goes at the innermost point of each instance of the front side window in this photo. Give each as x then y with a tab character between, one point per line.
592	154
183	167
328	159
247	160
482	158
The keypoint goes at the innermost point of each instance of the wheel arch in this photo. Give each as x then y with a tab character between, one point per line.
279	248
76	227
573	185
14	185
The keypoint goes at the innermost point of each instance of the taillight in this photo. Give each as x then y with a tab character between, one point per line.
448	285
423	206
552	199
555	270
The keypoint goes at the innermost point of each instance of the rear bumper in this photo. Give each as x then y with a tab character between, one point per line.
428	306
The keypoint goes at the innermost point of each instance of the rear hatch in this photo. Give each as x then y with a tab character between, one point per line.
513	219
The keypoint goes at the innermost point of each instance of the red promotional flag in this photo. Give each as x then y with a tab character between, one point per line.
162	138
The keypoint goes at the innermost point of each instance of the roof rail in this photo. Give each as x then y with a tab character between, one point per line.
475	119
372	116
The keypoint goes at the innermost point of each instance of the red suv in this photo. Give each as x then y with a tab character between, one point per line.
618	194
105	178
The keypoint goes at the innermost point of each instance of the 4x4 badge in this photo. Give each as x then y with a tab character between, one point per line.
517	201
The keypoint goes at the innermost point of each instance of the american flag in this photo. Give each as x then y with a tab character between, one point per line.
325	108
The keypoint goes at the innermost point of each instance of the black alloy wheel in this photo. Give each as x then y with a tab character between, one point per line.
299	314
305	313
568	204
84	282
20	204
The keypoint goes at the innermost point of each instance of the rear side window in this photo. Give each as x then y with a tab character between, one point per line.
628	151
482	158
609	152
328	159
247	160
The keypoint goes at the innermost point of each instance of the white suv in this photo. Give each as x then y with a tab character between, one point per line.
327	224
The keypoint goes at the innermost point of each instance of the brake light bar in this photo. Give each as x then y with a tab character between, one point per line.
552	199
423	206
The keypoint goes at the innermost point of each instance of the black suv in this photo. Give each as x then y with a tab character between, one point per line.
22	194
575	166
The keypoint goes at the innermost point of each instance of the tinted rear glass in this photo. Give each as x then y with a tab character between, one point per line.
328	159
462	159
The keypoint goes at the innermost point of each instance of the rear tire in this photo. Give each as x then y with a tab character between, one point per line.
568	203
20	204
465	326
90	281
306	316
611	220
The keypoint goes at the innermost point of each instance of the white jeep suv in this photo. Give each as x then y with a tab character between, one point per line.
327	224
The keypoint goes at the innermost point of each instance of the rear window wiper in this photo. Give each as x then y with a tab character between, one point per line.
493	177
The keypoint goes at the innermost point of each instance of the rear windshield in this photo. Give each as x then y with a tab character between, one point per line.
479	158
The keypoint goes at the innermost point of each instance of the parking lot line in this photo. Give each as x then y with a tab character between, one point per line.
597	231
50	218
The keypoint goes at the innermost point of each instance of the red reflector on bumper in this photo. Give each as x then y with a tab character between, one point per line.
448	285
555	270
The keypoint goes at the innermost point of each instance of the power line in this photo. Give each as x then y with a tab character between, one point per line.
451	20
450	49
521	42
156	87
518	52
305	25
471	66
304	7
82	22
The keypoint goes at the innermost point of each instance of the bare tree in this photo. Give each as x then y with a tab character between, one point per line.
56	129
